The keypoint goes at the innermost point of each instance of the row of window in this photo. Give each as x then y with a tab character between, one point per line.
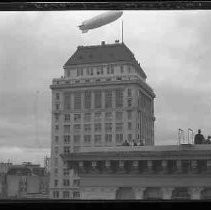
97	116
66	182
77	103
98	70
97	127
67	194
88	139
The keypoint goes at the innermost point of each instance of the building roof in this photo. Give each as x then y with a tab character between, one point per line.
104	53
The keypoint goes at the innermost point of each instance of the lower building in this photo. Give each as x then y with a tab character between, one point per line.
142	172
27	181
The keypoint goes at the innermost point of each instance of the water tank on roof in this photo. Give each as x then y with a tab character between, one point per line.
116	41
103	43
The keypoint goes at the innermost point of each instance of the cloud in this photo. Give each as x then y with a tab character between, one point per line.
172	47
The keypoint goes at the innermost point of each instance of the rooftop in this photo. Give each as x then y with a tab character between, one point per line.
104	53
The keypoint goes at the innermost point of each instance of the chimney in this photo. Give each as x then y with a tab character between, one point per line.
103	43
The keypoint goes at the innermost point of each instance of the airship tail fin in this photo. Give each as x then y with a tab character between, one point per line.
84	31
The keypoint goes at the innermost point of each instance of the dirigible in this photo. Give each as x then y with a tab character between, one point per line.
100	20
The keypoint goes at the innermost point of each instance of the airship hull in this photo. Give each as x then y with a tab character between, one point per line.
100	20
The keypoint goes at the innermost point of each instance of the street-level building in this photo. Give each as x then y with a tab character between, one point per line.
101	100
143	172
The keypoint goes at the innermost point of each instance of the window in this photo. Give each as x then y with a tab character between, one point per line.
119	126
87	127
129	126
77	127
129	92
79	71
76	182
57	96
119	116
67	117
66	172
89	71
56	171
68	72
56	161
66	194
119	138
108	115
76	139
87	100
129	136
129	69
56	139
56	127
56	194
56	150
87	117
97	127
98	99
66	128
122	69
66	139
77	117
76	194
108	99
129	115
98	115
108	138
108	126
57	106
67	101
97	139
66	182
129	102
119	98
56	117
77	100
99	70
87	139
112	69
55	183
66	150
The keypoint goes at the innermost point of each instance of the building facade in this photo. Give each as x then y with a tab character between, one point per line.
143	172
101	101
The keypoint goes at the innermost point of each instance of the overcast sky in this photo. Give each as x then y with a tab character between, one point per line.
173	48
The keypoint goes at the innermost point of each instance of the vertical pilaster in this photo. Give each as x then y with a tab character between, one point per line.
121	168
135	167
108	166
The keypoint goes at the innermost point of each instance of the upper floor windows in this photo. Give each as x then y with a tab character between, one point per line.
87	100
99	70
119	98
67	101
57	96
98	99
108	99
77	100
89	71
79	71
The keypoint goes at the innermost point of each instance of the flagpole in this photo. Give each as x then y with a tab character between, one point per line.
122	31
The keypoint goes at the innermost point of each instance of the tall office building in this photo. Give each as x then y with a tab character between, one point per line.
101	101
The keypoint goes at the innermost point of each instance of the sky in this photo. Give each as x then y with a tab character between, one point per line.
173	48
